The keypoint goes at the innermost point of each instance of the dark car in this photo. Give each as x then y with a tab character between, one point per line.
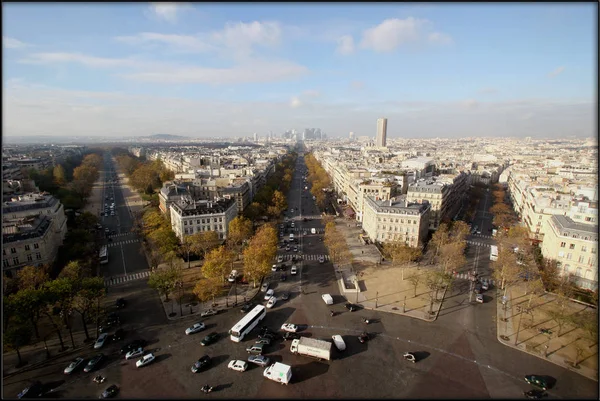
93	363
247	307
294	258
120	303
285	296
209	339
133	345
477	288
201	363
269	336
118	335
538	381
266	340
290	336
34	390
282	277
351	307
110	392
363	338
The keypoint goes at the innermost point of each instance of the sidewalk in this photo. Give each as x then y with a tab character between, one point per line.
514	319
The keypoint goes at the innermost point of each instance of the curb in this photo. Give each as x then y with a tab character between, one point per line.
38	364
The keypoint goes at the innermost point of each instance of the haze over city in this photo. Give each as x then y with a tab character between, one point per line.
207	70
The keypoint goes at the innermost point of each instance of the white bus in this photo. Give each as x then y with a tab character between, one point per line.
493	252
247	323
103	255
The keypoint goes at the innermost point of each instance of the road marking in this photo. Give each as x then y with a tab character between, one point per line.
123	258
110	281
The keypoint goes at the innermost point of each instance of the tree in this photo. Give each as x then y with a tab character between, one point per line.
165	239
415	279
86	221
30	277
217	263
16	337
560	317
240	229
186	247
279	201
163	280
28	305
401	254
59	175
207	288
92	289
203	241
254	211
63	290
50	311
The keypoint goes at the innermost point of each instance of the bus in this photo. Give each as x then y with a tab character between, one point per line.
247	323
493	252
103	255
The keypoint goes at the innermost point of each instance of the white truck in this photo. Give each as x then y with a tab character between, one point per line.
311	347
279	373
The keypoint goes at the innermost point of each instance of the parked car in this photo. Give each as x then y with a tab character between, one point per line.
256	349
537	381
363	338
279	259
264	287
259	360
93	363
294	270
269	294
73	366
479	298
266	340
327	298
209	312
290	336
339	342
146	360
34	390
195	328
267	336
351	307
110	392
271	303
133	345
118	335
134	353
209	339
201	363
485	285
232	276
274	268
477	288
285	296
247	307
120	303
237	365
289	327
102	339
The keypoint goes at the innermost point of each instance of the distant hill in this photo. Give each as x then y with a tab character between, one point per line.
164	137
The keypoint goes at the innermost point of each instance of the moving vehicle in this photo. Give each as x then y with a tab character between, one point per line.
274	268
321	259
285	296
197	327
75	363
265	286
133	345
290	336
209	339
279	372
283	277
479	298
328	299
409	356
134	353
269	294
363	337
247	307
313	230
338	341
201	363
104	253
538	381
311	347
256	349
535	394
351	307
294	270
209	312
259	360
101	340
247	323
279	259
266	339
289	327
232	276
93	363
485	285
272	302
34	390
110	392
120	303
493	252
237	365
146	360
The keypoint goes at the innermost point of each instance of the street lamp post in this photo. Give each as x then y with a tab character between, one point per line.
404	305
180	286
376	298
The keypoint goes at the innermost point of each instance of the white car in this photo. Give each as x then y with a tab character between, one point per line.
100	341
292	328
321	259
294	270
134	353
339	342
279	259
197	327
232	276
274	268
265	286
146	360
327	298
75	363
479	298
269	294
238	365
271	302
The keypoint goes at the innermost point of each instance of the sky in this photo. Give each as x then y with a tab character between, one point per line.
117	70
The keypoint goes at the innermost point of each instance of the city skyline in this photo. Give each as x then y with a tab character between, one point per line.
116	71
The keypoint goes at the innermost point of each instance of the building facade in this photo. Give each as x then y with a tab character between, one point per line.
381	132
189	217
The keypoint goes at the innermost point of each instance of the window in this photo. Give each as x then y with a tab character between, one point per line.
185	224
563	244
16	261
198	221
36	246
583	248
5	263
29	257
593	250
13	250
581	259
571	246
569	256
561	254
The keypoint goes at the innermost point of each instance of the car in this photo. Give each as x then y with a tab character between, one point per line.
259	360
264	287
267	330
339	342
267	336
106	230
264	340
537	381
247	307
110	392
120	303
201	363
209	312
146	360
232	276
363	338
34	390
327	298
294	270
113	317
112	213
134	353
274	268
293	225
289	327
351	307
479	298
256	349
269	294
102	339
295	249
287	248
93	363
477	289
294	258
209	339
285	296
195	328
485	285
237	365
279	259
118	335
271	303
290	336
75	363
133	345
283	277
321	259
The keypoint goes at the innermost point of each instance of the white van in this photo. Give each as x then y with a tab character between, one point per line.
313	230
327	298
291	237
279	372
339	342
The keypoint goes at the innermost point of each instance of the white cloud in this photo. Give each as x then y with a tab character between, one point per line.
241	37
166	11
304	99
12	43
440	38
470	104
392	33
556	72
88	61
295	102
178	42
345	45
487	91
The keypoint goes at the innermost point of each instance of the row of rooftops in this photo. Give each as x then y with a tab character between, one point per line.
30	201
24	229
398	205
190	207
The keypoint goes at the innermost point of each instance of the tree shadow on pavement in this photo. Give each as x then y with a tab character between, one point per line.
307	371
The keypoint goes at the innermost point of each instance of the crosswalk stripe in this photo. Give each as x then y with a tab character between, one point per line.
122	279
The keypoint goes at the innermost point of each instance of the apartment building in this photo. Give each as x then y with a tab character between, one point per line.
396	220
575	247
189	216
29	240
33	204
